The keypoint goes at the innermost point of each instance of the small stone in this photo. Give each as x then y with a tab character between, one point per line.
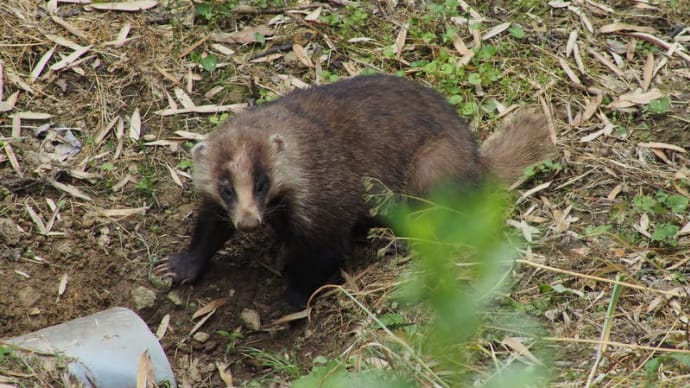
65	247
201	337
162	283
11	254
210	346
28	296
251	319
9	231
143	298
175	298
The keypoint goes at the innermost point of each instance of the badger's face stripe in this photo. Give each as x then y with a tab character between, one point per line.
246	208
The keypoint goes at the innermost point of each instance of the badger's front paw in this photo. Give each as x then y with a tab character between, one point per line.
182	267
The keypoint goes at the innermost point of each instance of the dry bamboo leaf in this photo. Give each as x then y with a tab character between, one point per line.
172	104
121	184
184	99
190	135
635	98
515	344
648	72
211	306
16	126
174	176
304	314
13	160
592	136
661	43
558	4
36	219
118	213
590	110
22	273
224	371
267	58
127	6
225	50
203	109
72	29
605	61
572	39
201	322
38	69
63	284
120	135
665	146
57	39
313	15
121	37
14	78
69	189
614	192
533	190
173	144
7	105
100	136
246	35
33	115
302	55
400	41
496	30
55	212
163	326
135	125
630	49
661	155
527	230
578	59
684	231
145	375
68	60
360	39
583	18
571	74
614	27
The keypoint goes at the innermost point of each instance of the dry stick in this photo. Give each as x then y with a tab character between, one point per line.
658	42
615	343
194	46
600	279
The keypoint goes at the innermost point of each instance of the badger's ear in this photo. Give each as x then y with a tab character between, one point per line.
277	142
199	151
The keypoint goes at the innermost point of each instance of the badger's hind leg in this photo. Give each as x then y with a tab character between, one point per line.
211	230
451	158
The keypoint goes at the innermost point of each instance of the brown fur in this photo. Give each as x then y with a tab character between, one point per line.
316	146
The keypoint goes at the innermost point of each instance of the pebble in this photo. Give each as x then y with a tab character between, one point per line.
251	319
143	298
175	298
201	337
28	296
9	232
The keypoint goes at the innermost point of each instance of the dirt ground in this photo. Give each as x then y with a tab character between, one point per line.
82	225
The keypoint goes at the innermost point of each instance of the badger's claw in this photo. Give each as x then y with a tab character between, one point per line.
181	268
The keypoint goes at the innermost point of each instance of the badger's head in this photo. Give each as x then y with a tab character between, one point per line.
236	170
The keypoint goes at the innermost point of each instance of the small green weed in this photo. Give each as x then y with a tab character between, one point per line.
233	338
284	363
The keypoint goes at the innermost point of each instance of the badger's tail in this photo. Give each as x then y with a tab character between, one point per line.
522	140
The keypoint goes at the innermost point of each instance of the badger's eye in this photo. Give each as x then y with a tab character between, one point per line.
261	185
227	191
